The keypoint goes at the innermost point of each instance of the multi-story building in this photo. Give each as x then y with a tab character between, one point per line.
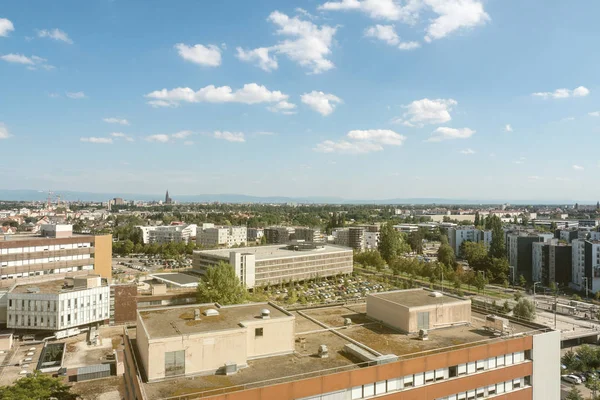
172	233
566	234
222	236
357	237
55	251
278	234
59	305
519	251
458	235
551	262
268	265
308	235
586	265
594	235
262	352
255	234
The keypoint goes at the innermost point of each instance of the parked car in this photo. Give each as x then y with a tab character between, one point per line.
571	379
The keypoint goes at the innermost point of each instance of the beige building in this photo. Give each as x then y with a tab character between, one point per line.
415	309
268	265
222	236
203	339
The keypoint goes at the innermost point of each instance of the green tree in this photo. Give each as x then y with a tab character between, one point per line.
475	254
518	296
391	243
522	281
479	282
524	309
505	307
415	240
128	247
477	221
497	245
37	386
574	394
593	384
370	258
220	285
446	255
292	297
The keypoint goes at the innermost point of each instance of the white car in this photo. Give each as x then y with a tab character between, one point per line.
571	379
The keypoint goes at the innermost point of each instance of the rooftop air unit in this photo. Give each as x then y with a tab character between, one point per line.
211	312
265	313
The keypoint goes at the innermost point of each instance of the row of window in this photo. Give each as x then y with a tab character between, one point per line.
44	260
47	305
47	272
24	320
53	247
491	390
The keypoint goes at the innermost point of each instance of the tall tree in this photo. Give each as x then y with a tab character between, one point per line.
37	386
446	255
220	285
477	221
391	242
524	309
497	245
416	241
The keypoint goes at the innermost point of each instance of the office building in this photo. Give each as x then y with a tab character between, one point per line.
519	251
219	353
278	234
586	265
551	262
222	236
268	265
56	251
59	305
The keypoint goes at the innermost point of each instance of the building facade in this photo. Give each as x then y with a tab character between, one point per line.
458	235
519	251
56	251
222	236
278	234
552	262
586	265
268	265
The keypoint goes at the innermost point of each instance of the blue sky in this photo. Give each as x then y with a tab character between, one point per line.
352	98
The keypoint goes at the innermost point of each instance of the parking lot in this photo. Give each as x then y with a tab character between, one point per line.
146	264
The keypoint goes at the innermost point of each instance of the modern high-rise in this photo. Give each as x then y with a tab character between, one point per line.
357	237
586	264
551	262
519	250
275	264
404	345
222	236
56	251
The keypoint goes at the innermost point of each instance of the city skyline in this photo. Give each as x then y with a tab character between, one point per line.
348	99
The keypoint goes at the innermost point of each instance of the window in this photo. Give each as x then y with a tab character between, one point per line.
470	367
471	395
508	386
509	359
462	369
419	379
393	384
439	374
517	383
369	390
10	303
500	388
492	362
500	361
429	376
380	387
258	332
357	392
491	390
175	363
409	381
479	393
423	320
480	365
453	371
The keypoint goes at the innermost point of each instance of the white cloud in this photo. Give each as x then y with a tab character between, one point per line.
76	95
97	140
467	151
362	141
452	15
567	119
161	138
387	33
580	91
230	136
6	26
260	56
508	128
306	43
32	63
445	133
594	114
409	45
426	111
323	103
55	34
4	134
283	107
209	56
182	134
112	120
121	135
251	93
578	168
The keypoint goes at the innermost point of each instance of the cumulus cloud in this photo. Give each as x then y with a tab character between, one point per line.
304	42
362	141
259	56
209	56
6	26
427	111
283	107
580	91
182	134
113	120
55	34
467	151
508	128
121	135
161	138
32	63
451	15
594	114
444	133
323	103
97	140
230	136
578	168
387	33
76	95
251	93
4	134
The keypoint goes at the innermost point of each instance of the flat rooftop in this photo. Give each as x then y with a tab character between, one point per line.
417	297
49	287
309	336
276	251
176	321
177	279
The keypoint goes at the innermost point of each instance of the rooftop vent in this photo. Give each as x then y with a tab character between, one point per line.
323	352
197	314
33	289
265	313
436	294
211	312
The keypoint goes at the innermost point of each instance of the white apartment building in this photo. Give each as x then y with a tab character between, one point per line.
586	265
222	236
168	233
458	235
58	305
371	240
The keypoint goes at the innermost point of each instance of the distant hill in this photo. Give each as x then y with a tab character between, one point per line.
37	195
